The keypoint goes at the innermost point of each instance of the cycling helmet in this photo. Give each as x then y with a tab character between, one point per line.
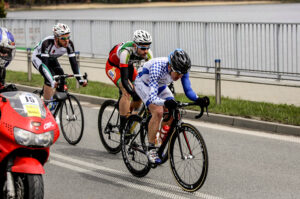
61	29
142	37
180	61
7	46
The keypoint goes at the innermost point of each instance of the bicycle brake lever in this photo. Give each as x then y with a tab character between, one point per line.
85	76
207	111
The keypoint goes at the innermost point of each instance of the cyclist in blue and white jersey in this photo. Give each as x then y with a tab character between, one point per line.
7	52
151	86
46	52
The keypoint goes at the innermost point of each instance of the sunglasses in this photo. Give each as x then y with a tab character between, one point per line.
143	47
177	72
64	38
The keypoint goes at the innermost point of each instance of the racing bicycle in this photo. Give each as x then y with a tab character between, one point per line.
109	125
68	107
184	147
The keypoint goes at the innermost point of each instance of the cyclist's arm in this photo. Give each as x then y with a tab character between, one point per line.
124	58
186	84
44	54
154	75
72	59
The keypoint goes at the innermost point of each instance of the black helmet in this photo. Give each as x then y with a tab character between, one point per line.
180	61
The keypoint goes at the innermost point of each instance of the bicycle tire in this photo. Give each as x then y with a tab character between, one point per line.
71	130
109	137
194	180
134	147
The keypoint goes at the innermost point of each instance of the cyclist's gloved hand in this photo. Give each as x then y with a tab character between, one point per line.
83	83
9	87
55	84
170	104
204	101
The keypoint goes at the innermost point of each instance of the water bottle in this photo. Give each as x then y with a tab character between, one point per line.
164	132
158	140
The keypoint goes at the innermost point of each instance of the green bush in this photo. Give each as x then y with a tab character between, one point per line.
2	9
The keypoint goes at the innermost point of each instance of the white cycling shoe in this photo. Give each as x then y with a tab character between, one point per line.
153	157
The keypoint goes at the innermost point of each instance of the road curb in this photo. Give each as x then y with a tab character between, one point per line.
212	118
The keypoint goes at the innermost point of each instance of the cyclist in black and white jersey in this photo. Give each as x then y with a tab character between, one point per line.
46	52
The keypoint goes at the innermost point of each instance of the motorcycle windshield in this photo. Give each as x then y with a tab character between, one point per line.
26	104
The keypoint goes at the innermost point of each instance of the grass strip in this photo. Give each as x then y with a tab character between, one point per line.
282	113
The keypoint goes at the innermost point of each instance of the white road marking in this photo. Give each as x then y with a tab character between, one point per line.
118	180
127	175
219	127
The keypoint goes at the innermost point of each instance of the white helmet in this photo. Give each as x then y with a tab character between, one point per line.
7	45
142	37
61	29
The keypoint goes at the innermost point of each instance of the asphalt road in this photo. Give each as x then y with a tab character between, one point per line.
243	164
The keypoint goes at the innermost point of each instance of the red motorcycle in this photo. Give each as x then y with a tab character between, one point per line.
27	129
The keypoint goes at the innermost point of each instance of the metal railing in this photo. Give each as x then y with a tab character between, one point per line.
252	49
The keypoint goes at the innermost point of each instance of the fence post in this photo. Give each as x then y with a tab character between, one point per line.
218	81
77	53
29	71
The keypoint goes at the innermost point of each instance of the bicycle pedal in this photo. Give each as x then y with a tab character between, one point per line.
153	165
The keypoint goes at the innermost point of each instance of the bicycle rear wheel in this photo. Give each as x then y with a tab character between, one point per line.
108	126
134	147
188	158
71	120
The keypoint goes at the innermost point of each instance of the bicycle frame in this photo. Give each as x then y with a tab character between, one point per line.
174	128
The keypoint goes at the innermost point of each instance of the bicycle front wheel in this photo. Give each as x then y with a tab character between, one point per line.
188	158
134	147
71	120
108	126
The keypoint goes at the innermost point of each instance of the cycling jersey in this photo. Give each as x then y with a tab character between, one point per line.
44	59
123	54
121	64
156	76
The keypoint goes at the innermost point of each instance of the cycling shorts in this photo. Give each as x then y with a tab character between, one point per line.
143	91
49	71
114	73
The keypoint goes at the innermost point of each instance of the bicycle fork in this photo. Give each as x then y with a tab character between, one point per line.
73	116
188	156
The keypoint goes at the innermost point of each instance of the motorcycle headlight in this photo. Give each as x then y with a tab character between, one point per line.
28	138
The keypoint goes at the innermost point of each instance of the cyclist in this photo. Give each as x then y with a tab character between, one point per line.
7	53
121	69
46	52
151	86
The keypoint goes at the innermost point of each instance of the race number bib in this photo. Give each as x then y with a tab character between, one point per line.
30	105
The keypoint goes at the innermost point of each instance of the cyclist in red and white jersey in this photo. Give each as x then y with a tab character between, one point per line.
121	69
46	52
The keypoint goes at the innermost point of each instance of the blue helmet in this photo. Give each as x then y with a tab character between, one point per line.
7	45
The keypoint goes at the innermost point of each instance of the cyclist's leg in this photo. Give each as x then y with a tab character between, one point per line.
49	81
47	73
124	106
157	112
166	94
136	101
114	74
